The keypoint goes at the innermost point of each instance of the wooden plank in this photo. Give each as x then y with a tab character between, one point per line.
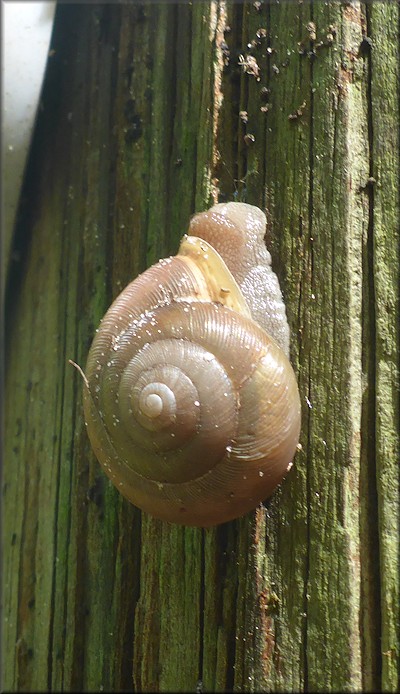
140	127
383	31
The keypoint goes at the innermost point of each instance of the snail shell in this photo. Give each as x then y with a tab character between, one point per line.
191	404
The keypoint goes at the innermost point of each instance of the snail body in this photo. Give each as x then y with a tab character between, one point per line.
192	407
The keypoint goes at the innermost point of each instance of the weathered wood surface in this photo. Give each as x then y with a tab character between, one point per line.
139	128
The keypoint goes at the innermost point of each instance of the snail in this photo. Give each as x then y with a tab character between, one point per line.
190	401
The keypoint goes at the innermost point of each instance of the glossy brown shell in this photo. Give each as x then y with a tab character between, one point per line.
191	408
